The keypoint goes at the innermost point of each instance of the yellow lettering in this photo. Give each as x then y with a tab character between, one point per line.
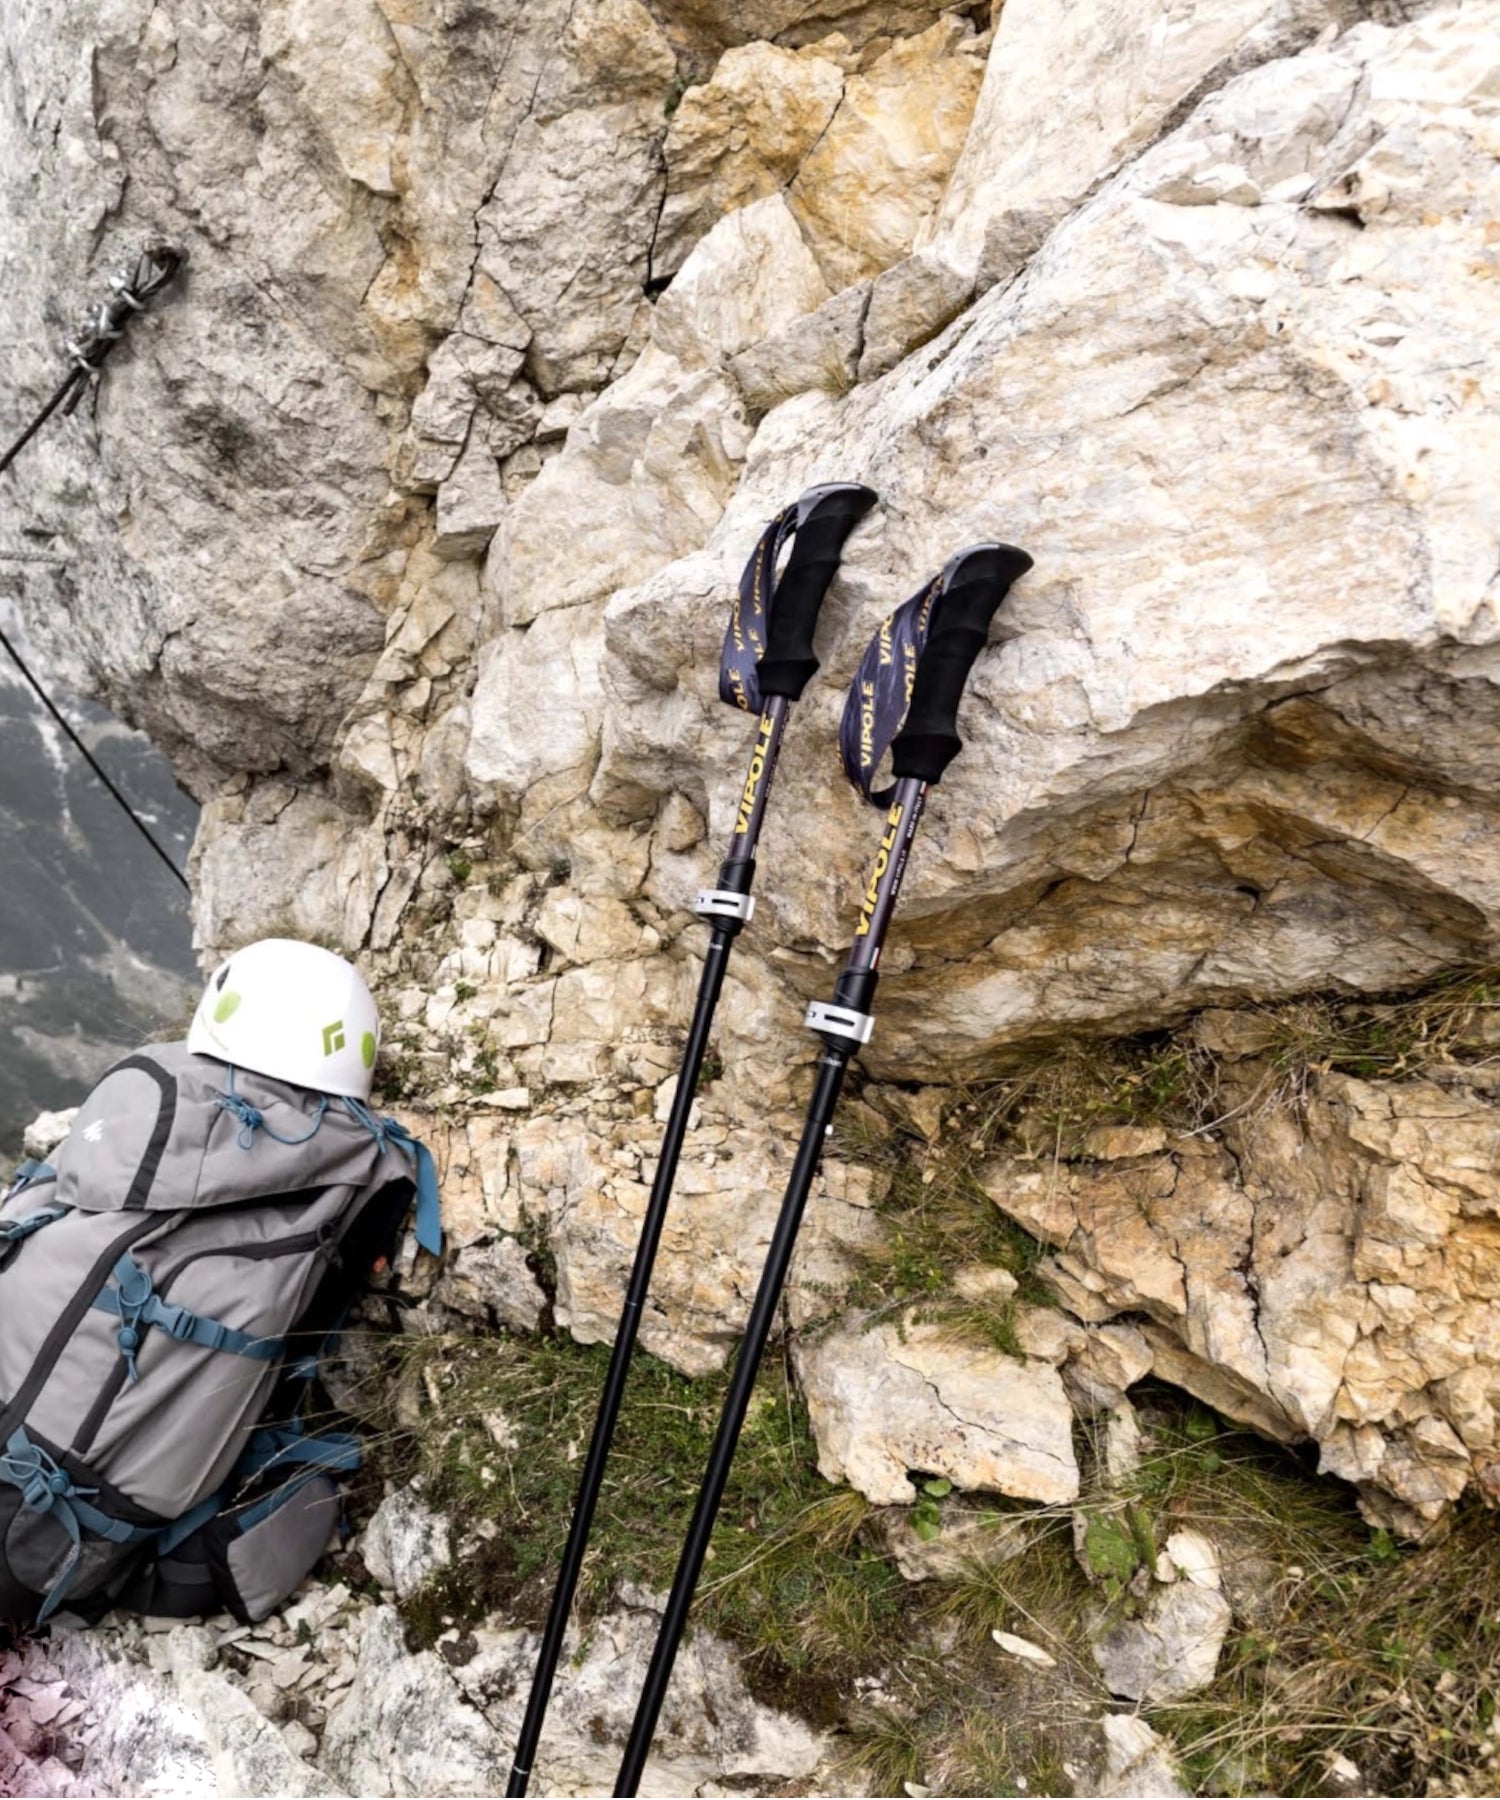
871	895
753	779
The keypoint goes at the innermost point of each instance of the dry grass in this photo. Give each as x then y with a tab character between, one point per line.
1390	1658
504	1423
1343	1643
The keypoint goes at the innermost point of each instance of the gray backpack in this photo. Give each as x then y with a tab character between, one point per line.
166	1288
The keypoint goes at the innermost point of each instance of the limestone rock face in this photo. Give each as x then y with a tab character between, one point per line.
1029	159
1211	400
593	1192
739	136
1330	1279
326	171
410	521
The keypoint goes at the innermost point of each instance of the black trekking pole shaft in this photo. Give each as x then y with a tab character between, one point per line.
856	988
735	878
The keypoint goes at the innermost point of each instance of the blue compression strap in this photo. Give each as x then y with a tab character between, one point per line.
28	1174
429	1207
135	1302
46	1488
272	1447
13	1230
387	1132
286	1446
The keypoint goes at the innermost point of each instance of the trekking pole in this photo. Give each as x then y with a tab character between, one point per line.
767	661
924	649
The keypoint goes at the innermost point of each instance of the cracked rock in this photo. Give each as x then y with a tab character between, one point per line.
1171	1650
1324	1275
891	1399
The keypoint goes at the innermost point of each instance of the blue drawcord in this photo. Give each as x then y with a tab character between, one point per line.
252	1119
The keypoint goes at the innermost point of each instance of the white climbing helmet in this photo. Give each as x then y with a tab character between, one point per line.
292	1011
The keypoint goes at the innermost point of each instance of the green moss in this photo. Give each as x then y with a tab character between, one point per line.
1110	1549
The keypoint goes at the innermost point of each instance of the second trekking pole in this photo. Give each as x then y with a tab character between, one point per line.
767	661
925	649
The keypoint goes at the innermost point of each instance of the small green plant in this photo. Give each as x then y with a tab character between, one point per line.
464	990
1111	1550
927	1515
459	867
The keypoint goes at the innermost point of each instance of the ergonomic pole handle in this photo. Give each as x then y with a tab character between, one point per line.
825	517
971	588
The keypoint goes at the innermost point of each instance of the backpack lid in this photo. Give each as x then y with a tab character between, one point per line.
167	1129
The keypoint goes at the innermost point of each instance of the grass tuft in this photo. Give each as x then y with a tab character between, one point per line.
500	1447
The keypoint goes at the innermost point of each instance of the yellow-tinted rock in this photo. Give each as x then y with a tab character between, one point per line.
739	136
881	167
1328	1277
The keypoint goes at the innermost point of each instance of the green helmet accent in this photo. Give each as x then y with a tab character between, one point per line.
225	1007
333	1037
367	1049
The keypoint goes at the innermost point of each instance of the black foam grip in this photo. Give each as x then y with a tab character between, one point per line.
974	584
830	514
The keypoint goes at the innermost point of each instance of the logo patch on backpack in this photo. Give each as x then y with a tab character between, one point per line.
93	1131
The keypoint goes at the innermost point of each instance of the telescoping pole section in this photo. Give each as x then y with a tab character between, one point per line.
768	660
937	635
